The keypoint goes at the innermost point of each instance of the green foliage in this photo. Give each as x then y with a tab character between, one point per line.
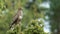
29	23
34	27
16	30
55	21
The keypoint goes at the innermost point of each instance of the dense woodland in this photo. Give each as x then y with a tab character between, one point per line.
34	15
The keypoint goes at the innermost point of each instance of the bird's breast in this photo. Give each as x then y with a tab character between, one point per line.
20	17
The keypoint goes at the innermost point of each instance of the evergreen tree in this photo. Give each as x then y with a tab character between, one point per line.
30	23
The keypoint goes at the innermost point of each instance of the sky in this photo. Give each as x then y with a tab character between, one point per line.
45	4
46	23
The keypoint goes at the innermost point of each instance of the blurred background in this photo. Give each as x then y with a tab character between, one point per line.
39	16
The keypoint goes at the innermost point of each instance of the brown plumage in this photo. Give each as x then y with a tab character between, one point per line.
17	18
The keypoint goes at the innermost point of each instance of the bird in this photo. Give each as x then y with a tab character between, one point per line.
17	18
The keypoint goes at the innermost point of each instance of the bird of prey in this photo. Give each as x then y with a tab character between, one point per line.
17	18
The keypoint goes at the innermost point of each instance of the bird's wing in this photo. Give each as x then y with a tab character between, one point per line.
13	20
15	17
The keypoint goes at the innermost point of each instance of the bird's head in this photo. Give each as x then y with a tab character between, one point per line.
20	9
